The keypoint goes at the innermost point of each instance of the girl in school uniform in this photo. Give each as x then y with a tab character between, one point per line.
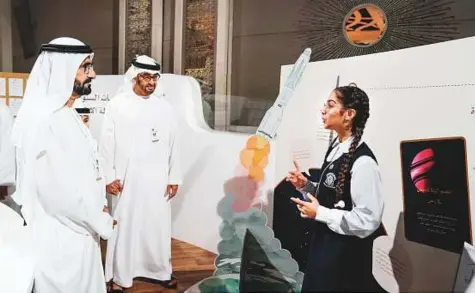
346	203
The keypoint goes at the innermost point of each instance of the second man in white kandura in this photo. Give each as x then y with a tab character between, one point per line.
139	152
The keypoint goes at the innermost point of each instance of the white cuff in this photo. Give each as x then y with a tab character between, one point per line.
174	181
331	217
323	215
104	225
109	176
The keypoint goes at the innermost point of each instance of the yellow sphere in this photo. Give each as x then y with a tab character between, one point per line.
256	173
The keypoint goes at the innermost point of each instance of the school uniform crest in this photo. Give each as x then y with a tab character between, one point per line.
330	180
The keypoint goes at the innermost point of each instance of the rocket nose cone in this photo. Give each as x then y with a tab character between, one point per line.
307	51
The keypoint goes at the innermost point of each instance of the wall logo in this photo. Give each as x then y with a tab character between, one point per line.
344	29
365	25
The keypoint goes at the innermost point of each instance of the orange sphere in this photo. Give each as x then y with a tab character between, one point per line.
246	157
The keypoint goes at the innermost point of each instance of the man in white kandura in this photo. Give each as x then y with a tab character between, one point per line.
7	152
16	259
61	181
139	152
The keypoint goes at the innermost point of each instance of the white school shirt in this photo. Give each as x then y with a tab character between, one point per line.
366	195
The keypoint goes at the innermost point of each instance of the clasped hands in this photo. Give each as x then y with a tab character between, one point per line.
114	187
298	180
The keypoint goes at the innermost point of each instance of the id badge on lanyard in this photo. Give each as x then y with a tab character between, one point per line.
154	135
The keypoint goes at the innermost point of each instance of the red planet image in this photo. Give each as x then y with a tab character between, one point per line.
420	169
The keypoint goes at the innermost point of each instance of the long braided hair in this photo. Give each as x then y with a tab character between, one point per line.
355	98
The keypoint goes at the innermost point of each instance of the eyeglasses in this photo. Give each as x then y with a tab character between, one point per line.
87	67
149	78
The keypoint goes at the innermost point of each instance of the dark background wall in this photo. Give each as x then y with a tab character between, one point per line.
37	22
270	33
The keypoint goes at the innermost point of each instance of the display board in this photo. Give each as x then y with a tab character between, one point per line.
435	192
104	87
12	89
421	99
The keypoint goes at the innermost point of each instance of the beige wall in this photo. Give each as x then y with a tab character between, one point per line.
92	21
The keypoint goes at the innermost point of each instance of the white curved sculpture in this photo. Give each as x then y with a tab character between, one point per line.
210	159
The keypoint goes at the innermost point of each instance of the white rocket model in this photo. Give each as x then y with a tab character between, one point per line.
273	117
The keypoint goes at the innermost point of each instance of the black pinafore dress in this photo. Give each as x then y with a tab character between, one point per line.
339	263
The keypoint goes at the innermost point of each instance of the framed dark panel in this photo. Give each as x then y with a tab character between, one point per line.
436	192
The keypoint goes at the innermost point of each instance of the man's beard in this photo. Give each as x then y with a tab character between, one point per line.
81	89
148	91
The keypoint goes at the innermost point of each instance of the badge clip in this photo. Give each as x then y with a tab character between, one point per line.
340	204
154	135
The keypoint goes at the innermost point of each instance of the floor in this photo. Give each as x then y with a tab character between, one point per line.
191	264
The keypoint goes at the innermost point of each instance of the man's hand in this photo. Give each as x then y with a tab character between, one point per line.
296	177
171	191
114	188
307	209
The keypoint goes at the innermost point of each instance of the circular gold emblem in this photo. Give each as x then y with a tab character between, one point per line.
365	25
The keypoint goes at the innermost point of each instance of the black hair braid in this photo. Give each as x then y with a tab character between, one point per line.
352	97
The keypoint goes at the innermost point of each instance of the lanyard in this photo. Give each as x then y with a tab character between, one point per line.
93	146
